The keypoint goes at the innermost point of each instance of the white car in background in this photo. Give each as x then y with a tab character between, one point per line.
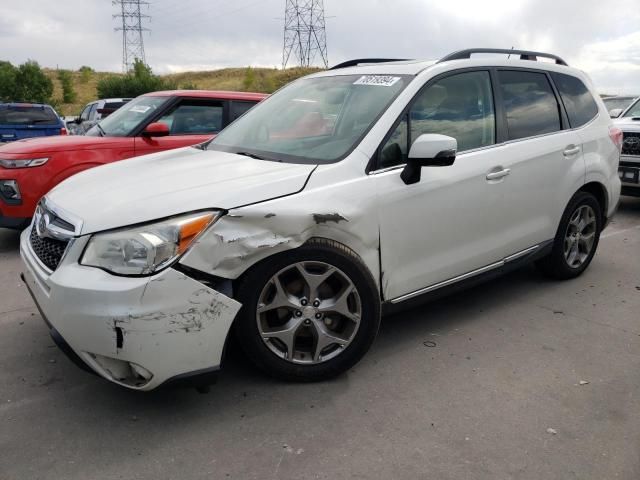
93	112
616	105
346	192
629	171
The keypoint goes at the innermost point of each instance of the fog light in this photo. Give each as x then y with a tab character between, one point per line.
10	189
122	371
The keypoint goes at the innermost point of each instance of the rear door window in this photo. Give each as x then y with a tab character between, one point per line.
27	115
191	117
530	104
580	105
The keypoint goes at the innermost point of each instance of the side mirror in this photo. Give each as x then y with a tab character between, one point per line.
157	129
429	150
615	112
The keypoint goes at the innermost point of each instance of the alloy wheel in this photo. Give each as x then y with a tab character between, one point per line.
580	236
308	312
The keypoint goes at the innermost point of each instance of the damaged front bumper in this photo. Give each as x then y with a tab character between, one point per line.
138	332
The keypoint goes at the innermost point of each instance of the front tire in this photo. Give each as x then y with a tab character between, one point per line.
576	240
308	314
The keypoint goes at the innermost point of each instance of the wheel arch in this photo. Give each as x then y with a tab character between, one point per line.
599	191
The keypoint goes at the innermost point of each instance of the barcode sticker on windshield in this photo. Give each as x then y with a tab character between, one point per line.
379	80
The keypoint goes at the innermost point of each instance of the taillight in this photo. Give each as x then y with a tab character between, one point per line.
63	131
616	137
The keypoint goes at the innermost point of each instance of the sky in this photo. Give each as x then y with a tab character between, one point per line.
599	37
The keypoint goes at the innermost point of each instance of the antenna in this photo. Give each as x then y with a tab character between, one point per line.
304	32
132	41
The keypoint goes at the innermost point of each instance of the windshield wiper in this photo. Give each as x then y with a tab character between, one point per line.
102	134
250	155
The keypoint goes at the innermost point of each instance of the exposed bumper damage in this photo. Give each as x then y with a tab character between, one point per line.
137	332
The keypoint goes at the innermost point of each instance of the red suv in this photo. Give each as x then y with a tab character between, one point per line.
149	123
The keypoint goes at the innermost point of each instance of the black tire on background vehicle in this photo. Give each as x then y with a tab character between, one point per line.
576	240
308	314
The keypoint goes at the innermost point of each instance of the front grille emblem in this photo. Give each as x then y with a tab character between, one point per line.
42	225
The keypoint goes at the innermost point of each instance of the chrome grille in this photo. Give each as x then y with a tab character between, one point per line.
48	250
631	143
50	235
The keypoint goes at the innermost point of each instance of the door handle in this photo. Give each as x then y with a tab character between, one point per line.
571	150
499	174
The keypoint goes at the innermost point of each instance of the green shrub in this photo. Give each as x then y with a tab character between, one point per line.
66	80
137	82
31	84
7	81
85	73
249	79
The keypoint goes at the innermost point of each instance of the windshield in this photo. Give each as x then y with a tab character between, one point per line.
27	115
313	120
617	102
634	110
126	119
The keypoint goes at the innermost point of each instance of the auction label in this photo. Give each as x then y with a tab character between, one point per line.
379	80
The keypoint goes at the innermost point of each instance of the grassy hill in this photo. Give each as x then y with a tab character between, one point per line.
250	79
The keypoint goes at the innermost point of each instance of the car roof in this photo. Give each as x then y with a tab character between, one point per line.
414	67
25	105
219	94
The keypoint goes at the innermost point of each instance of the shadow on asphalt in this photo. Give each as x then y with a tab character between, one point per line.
629	205
9	240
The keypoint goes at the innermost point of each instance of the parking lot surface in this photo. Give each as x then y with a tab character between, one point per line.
520	378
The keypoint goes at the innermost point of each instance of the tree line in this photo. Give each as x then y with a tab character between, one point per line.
29	83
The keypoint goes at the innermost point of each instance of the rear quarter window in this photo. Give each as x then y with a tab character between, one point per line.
578	101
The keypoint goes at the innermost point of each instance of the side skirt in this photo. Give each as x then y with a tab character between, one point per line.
468	280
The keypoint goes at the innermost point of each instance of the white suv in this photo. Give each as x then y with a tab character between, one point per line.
348	190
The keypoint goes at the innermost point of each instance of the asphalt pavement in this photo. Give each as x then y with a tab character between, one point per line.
519	378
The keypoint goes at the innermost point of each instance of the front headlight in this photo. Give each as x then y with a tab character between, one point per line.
148	248
22	163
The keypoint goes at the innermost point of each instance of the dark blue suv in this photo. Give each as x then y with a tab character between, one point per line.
28	120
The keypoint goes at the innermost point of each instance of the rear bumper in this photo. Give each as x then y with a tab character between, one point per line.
137	332
629	173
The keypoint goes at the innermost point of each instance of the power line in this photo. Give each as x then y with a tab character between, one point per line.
132	30
304	32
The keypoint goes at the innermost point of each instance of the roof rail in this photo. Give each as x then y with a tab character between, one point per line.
357	61
524	54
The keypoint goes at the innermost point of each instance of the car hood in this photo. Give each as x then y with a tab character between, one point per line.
628	123
169	183
61	143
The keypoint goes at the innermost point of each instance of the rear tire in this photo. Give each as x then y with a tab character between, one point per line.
308	314
576	239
